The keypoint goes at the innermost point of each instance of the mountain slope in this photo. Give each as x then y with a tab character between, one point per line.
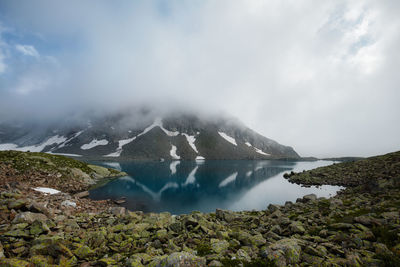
171	138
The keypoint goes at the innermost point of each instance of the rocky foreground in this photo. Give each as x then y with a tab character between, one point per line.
358	227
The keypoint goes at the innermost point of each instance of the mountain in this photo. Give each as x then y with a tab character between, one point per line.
143	136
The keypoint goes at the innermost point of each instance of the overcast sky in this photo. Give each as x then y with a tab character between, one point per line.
321	76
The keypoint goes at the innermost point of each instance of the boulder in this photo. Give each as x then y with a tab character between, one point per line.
296	227
219	246
82	194
284	252
310	197
181	259
29	217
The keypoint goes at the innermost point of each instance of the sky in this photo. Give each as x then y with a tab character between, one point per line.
321	76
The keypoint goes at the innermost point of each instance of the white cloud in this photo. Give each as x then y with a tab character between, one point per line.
27	50
318	75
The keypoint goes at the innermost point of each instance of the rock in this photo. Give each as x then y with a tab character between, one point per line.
258	240
181	259
1	251
68	203
215	263
39	208
284	252
82	194
228	216
38	227
341	226
381	249
296	227
29	217
272	207
176	227
242	255
17	204
335	202
276	229
13	263
366	220
117	210
83	252
310	197
120	201
391	216
219	246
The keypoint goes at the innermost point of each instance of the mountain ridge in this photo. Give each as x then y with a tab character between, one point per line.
173	137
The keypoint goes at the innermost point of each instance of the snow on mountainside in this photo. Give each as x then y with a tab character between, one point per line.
173	138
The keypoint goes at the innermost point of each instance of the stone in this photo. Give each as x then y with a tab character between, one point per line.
272	207
258	240
181	259
13	263
83	252
17	204
225	215
296	227
341	226
219	246
176	227
29	217
215	263
68	203
310	197
391	216
117	210
242	255
284	252
38	227
39	208
82	194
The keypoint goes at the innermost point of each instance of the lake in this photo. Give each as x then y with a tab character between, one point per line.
184	186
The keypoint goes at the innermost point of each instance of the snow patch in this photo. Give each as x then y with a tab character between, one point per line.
94	143
46	190
157	123
191	179
228	138
200	158
54	140
173	165
191	139
8	146
249	173
114	165
173	152
259	151
231	178
73	137
65	154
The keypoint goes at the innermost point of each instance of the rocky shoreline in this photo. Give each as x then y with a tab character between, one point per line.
358	227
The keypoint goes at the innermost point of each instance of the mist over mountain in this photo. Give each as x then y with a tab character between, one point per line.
145	135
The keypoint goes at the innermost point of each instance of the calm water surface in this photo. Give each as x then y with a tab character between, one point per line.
184	186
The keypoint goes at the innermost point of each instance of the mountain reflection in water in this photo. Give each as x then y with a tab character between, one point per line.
184	186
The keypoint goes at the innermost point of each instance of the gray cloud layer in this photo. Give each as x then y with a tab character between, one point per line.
318	75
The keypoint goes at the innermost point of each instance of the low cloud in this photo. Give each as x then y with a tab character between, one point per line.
320	76
27	50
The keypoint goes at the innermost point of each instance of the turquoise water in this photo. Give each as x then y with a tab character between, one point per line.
184	186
